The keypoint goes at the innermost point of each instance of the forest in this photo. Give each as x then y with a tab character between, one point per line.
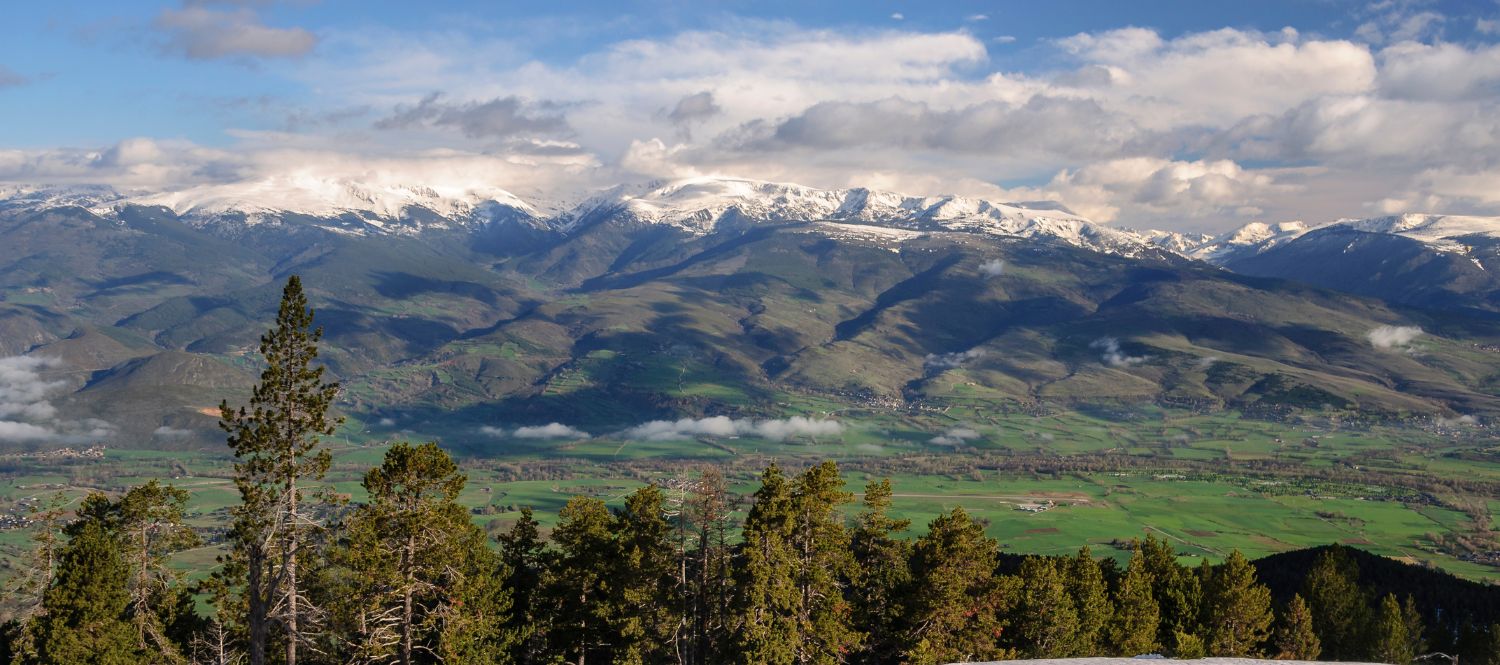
808	576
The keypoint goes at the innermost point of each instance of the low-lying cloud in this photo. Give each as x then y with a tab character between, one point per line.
550	431
955	436
27	414
724	426
992	268
1110	353
1393	337
937	362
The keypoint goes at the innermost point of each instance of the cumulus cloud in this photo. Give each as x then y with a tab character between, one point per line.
496	118
937	362
202	33
1110	353
992	268
723	426
550	431
27	414
955	436
1393	337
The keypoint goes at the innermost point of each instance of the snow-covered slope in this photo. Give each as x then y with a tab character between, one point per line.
706	205
1443	233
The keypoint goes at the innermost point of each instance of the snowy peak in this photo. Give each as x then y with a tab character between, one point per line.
1441	232
705	205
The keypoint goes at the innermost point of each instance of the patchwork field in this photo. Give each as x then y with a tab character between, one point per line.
1041	484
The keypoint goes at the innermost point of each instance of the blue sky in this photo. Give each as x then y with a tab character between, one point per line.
1172	114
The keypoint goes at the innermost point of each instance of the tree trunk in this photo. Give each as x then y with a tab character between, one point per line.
407	555
292	538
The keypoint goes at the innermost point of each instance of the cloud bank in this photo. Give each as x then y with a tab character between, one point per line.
27	414
723	426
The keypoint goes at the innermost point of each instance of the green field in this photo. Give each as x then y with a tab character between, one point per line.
1208	483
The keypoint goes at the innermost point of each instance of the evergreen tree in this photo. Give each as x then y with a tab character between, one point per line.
1086	586
820	543
1339	607
643	581
766	601
954	602
1392	638
708	509
276	442
151	528
1176	588
1236	609
577	583
426	567
1134	626
1295	638
1044	620
881	575
83	619
522	553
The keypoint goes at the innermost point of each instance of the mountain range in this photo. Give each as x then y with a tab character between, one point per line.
458	309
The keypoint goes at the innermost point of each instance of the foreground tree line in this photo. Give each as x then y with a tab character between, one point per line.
671	577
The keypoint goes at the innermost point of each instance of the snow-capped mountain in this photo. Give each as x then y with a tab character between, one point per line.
700	206
709	204
1441	233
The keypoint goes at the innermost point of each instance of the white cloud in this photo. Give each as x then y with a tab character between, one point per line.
1391	337
992	268
1110	353
937	362
26	413
955	436
898	16
1487	26
723	426
201	33
550	431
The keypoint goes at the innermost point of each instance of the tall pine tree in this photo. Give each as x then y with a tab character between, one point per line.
820	542
954	602
1133	628
1340	608
84	615
1044	619
642	584
1084	579
881	575
276	440
578	583
524	556
766	594
1295	638
1236	609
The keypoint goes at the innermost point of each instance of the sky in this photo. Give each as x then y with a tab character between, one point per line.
1160	114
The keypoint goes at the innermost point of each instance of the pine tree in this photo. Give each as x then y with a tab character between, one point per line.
577	583
1415	630
642	585
1044	620
1295	638
423	565
1086	586
707	512
522	553
1391	634
1339	607
954	602
150	524
1133	628
1176	588
1236	609
276	441
881	575
84	611
766	598
823	561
